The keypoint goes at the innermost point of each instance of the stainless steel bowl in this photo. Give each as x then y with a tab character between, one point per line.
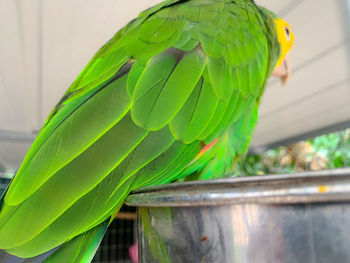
278	218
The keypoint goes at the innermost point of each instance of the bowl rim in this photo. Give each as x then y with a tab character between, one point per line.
304	187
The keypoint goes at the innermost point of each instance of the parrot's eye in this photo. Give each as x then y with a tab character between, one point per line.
287	32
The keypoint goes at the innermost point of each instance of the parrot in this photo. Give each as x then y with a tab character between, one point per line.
174	94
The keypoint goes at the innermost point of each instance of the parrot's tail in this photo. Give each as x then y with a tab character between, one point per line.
82	248
7	258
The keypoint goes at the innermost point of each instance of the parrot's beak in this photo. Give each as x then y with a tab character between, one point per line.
283	71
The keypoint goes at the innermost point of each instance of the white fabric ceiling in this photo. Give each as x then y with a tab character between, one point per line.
45	44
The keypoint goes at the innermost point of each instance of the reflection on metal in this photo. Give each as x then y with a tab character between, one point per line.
287	218
304	187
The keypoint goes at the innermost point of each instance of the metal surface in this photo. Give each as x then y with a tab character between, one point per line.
320	186
257	220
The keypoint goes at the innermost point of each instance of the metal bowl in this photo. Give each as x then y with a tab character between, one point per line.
276	218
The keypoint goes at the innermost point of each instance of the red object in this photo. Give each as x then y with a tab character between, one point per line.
133	253
206	148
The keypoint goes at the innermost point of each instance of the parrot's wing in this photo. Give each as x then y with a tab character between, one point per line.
241	132
136	115
81	248
8	258
109	67
125	45
2	197
231	147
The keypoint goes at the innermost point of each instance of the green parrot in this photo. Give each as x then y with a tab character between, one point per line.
174	93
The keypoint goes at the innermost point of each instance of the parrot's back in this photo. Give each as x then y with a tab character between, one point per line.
180	77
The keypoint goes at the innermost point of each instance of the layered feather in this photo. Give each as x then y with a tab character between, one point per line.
174	79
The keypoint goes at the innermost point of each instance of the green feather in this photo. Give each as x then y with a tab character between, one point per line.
196	113
134	75
81	248
160	165
103	68
186	42
173	172
83	173
182	74
215	119
68	136
225	121
211	46
164	32
219	75
165	86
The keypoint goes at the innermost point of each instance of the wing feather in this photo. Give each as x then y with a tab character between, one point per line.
196	113
164	87
137	115
69	134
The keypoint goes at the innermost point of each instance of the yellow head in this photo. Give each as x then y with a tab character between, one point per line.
285	38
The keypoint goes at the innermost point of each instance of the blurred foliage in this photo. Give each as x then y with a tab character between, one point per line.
323	152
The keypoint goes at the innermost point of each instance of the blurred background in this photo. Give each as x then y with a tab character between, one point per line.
302	126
